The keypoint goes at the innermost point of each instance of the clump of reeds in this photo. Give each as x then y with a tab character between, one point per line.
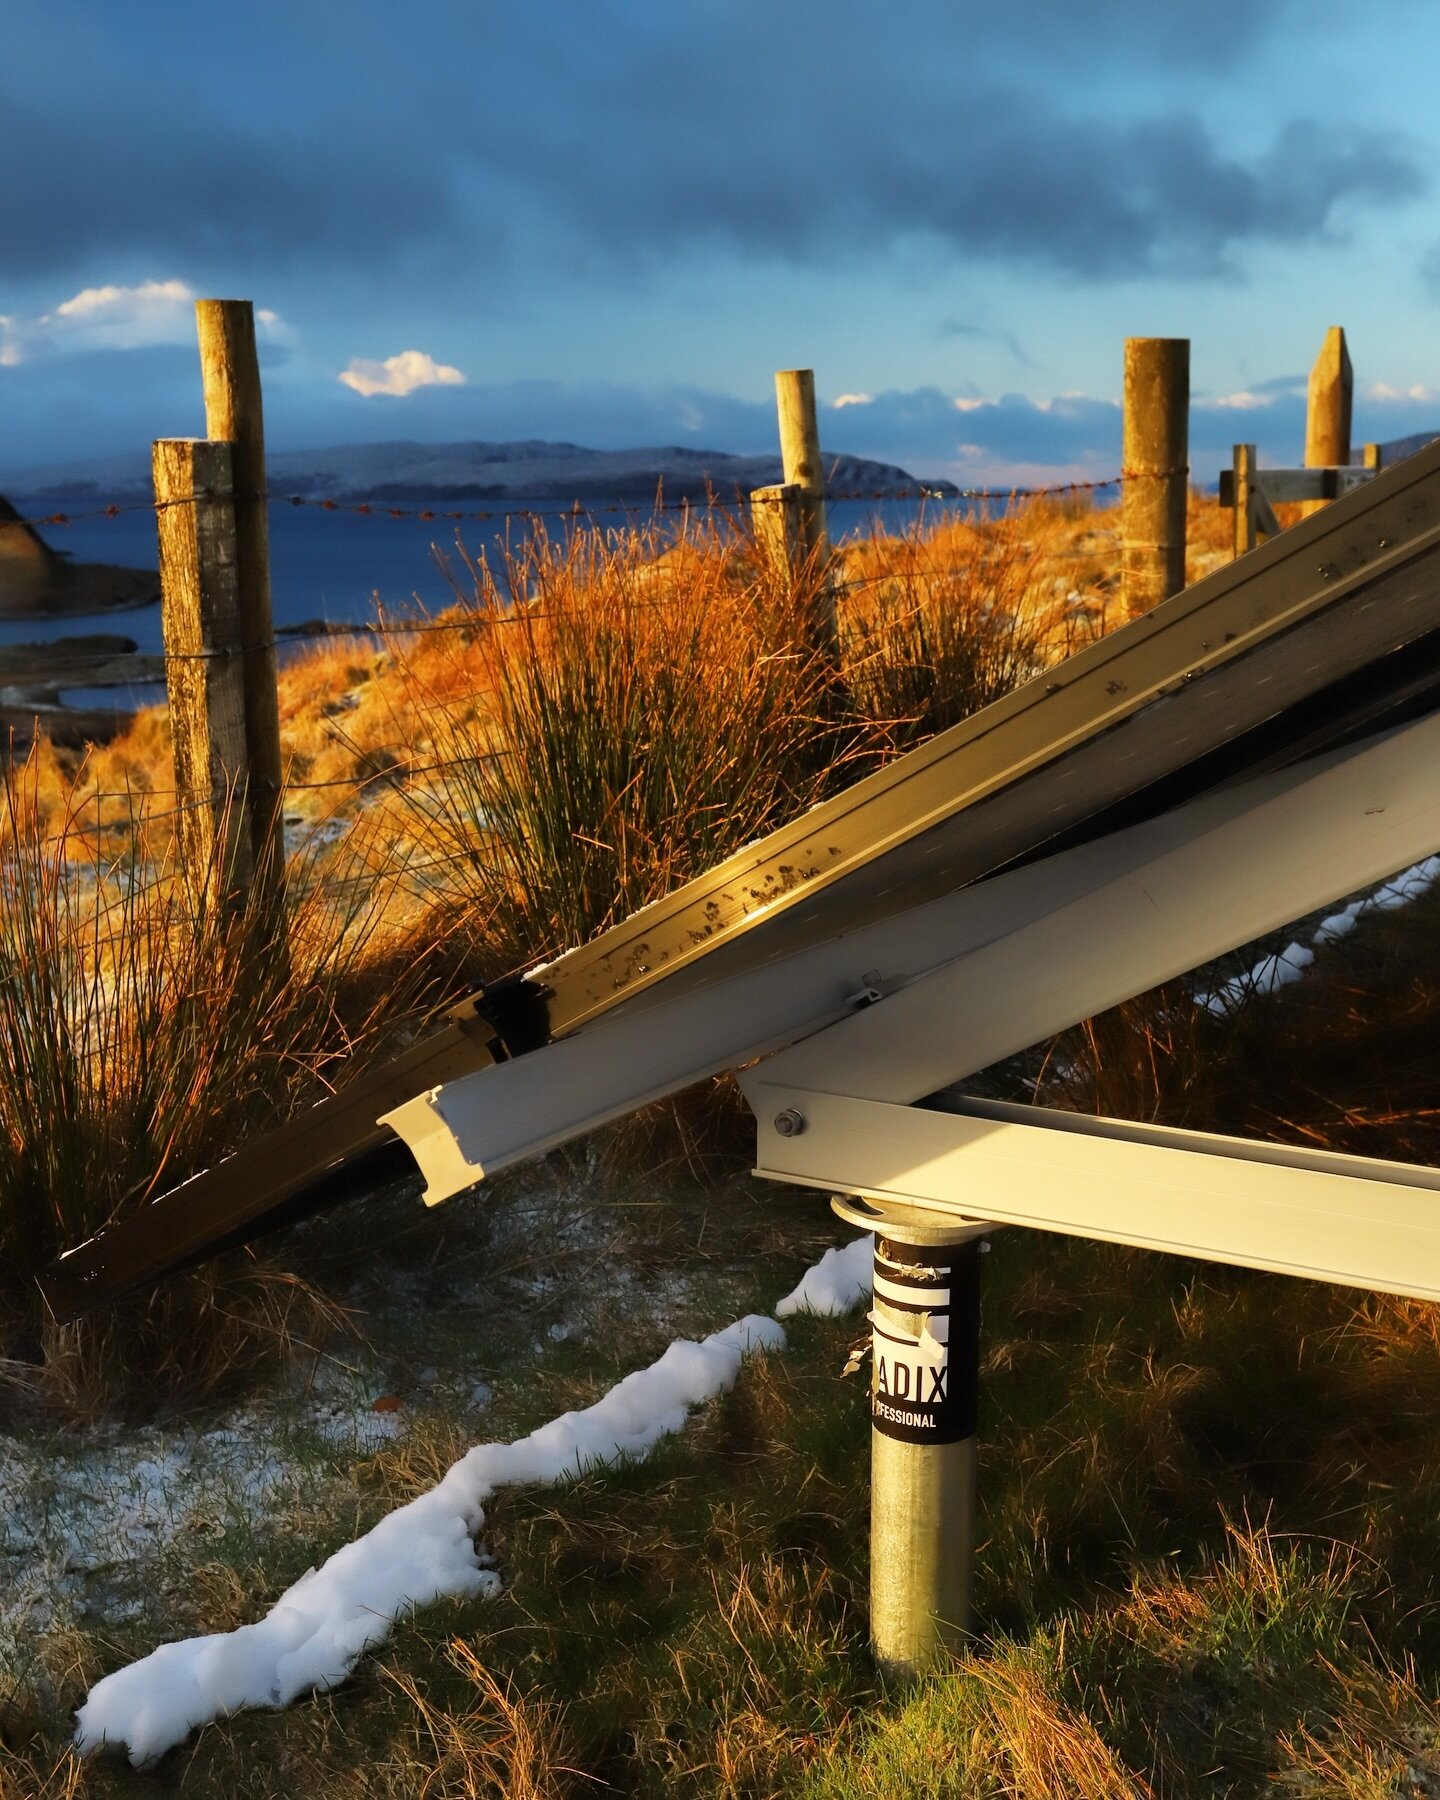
613	713
627	719
938	623
145	1030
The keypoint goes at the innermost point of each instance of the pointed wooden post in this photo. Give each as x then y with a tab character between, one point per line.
1156	471
1327	410
234	414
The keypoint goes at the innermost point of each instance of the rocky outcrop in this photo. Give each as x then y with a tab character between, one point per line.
39	582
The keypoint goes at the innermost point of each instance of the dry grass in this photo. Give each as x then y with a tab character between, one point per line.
356	713
39	1776
935	626
624	726
142	1034
502	1744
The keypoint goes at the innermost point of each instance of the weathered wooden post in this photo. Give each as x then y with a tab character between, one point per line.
1243	472
800	458
1327	409
778	528
230	370
800	452
1373	457
1156	470
1253	511
204	675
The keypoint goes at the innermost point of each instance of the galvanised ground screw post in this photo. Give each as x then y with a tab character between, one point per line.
924	1382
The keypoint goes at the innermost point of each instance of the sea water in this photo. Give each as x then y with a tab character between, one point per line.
344	568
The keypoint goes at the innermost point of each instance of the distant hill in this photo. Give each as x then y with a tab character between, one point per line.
1399	448
530	470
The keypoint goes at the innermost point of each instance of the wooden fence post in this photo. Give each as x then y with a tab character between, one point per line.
230	371
800	459
800	452
1253	511
1243	467
1327	410
204	674
778	527
1373	458
1155	462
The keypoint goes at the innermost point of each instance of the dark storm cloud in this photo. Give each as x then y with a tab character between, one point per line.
110	177
814	132
1004	175
95	403
1178	32
1036	132
1430	271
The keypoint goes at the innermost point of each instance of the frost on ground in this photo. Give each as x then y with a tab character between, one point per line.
89	1529
107	1524
1287	965
83	1517
313	1635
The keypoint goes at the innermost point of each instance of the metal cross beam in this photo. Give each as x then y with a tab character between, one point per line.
1219	879
1347	1219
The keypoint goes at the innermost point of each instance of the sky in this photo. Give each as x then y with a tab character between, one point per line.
610	221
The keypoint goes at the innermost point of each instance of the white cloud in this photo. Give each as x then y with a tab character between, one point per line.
399	375
1243	401
851	400
112	317
1382	390
119	318
963	403
150	298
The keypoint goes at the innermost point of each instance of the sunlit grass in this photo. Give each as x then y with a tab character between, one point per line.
144	1032
1208	1496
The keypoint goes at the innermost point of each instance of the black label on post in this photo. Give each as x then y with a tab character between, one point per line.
926	1322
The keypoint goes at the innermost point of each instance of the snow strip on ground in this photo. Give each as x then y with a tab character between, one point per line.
1290	964
423	1552
839	1281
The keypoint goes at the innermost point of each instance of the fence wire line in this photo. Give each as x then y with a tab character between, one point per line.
577	511
139	817
520	612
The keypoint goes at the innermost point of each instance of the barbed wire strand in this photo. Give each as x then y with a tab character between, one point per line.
576	511
520	612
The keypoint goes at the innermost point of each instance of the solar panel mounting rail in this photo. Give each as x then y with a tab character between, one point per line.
1326	632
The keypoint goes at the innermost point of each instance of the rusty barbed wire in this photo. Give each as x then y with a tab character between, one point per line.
519	612
576	510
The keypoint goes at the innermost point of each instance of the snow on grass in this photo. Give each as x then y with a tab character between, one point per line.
1289	964
420	1553
838	1282
425	1551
